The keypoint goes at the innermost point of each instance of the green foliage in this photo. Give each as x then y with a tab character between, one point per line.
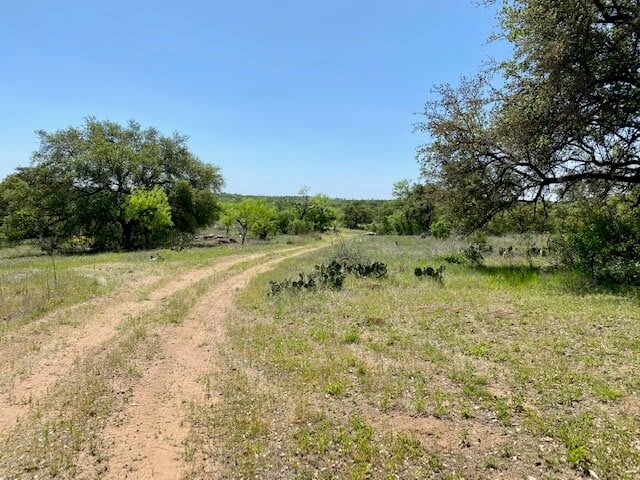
375	269
410	213
454	258
524	218
263	227
325	276
604	244
38	203
254	215
357	214
329	276
441	228
192	209
415	207
227	215
148	214
435	273
562	120
346	252
284	218
300	227
294	215
320	213
81	180
474	255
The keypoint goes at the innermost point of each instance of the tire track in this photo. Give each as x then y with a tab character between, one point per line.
147	441
101	327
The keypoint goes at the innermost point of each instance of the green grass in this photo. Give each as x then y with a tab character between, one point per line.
61	437
512	353
512	368
33	284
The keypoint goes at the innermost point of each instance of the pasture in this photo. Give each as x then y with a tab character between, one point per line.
508	368
512	369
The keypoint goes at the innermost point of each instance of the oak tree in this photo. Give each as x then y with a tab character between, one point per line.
565	116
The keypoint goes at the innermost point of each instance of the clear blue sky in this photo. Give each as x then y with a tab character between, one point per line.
279	94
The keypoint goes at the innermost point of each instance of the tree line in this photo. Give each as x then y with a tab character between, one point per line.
546	140
104	186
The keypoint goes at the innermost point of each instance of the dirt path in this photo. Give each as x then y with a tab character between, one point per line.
68	345
147	441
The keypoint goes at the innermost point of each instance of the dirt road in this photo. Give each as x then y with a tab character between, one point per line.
145	439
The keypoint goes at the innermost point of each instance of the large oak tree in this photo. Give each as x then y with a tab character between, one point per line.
83	179
565	116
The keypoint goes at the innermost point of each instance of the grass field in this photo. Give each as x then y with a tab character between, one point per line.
32	283
509	370
77	385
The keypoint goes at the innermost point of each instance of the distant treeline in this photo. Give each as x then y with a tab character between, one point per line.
415	209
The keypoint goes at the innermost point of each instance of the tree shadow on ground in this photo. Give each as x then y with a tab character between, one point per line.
514	275
558	279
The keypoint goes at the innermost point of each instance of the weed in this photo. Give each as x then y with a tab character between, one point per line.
474	255
351	337
329	276
453	258
335	389
427	363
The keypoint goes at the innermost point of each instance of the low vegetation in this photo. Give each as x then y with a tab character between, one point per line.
331	276
507	369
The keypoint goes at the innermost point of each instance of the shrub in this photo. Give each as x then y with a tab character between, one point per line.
300	227
479	238
148	214
441	228
329	276
604	244
474	254
453	258
436	274
375	269
347	252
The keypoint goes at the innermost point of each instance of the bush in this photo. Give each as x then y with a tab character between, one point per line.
300	227
604	244
347	252
436	274
474	254
329	276
454	258
441	229
263	227
149	216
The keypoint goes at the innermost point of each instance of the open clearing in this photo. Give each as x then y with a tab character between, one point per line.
183	367
92	352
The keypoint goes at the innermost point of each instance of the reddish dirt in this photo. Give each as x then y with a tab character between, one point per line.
146	440
66	345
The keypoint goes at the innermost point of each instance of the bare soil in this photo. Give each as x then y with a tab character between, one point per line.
25	380
146	439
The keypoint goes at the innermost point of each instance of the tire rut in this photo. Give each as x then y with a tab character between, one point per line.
101	327
147	441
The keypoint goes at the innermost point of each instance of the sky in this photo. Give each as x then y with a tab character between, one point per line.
279	94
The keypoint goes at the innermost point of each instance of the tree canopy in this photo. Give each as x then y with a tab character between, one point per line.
98	180
252	215
565	116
